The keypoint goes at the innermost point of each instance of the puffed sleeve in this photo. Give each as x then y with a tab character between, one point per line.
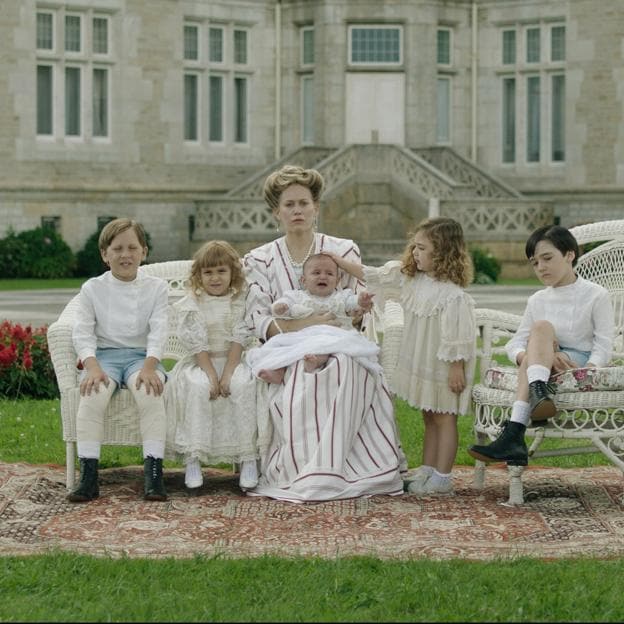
457	329
191	329
240	332
259	298
384	282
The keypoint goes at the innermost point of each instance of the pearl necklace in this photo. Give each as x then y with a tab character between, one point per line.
299	265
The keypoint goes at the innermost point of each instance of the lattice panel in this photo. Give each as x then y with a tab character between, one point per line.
232	217
338	170
418	176
514	217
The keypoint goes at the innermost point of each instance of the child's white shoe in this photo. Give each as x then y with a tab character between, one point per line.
248	475
193	477
418	479
433	487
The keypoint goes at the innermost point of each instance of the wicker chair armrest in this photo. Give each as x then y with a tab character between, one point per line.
392	336
497	319
61	347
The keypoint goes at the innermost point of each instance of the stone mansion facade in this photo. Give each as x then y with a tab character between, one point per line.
504	113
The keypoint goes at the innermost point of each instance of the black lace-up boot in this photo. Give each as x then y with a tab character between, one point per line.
88	488
541	404
154	484
509	447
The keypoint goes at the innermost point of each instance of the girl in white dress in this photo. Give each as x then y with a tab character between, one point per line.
211	395
437	355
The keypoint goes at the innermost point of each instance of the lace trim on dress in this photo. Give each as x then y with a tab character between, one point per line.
425	296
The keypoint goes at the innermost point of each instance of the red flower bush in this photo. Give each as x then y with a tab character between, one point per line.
25	366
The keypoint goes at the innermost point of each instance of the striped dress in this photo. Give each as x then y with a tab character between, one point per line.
333	432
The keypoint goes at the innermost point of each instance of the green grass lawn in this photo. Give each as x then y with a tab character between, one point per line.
40	284
65	587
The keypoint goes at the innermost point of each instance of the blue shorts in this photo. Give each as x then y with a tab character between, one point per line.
121	364
580	358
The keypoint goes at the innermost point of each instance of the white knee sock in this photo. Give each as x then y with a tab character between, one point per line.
520	412
537	372
88	449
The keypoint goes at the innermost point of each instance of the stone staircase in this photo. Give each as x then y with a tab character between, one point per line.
375	194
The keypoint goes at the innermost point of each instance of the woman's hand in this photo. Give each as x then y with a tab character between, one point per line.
457	377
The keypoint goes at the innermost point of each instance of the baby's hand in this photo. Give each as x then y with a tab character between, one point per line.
365	301
280	308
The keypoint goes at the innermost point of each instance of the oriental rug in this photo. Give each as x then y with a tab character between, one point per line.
567	513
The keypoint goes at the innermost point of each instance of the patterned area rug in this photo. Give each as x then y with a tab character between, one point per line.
566	513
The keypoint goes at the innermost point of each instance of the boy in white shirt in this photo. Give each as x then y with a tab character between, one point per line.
119	335
568	324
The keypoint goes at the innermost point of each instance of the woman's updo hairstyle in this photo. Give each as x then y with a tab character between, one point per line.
288	175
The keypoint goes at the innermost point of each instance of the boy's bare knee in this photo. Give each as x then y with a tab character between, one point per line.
542	328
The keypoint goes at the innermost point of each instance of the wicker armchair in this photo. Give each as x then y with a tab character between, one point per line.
590	403
122	418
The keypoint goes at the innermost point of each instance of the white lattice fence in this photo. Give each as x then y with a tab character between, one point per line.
420	175
230	219
511	219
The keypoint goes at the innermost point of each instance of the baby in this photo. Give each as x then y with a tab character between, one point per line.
318	294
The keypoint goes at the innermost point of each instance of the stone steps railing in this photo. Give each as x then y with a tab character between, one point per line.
466	172
242	215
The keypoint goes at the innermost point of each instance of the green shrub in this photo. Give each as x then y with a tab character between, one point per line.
487	268
89	261
39	253
13	251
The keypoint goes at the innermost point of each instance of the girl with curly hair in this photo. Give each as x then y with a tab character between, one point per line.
210	398
437	355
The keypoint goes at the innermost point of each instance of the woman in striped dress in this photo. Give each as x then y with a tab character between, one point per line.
333	432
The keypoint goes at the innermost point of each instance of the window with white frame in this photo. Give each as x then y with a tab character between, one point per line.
307	54
375	45
216	83
533	81
73	70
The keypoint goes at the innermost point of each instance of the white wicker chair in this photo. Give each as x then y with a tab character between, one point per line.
597	415
122	418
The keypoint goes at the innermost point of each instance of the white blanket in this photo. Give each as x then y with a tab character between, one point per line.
286	349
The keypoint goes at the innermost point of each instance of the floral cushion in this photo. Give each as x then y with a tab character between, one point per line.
574	380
